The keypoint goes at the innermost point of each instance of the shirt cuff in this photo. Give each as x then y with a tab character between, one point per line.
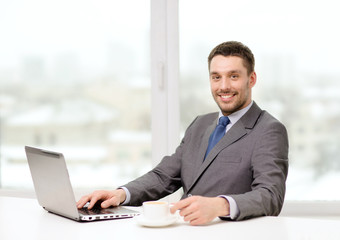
128	196
234	210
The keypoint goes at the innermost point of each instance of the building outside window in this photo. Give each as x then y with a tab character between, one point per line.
75	78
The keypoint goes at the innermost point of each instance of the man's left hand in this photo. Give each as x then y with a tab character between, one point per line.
200	210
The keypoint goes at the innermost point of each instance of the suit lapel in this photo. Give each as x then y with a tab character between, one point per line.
241	128
204	144
235	133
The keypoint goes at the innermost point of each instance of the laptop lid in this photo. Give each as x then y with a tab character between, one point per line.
54	190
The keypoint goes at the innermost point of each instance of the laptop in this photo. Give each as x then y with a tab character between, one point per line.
54	190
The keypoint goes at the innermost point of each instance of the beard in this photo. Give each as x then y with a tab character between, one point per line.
237	103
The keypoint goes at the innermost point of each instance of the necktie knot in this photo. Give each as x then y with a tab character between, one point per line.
224	121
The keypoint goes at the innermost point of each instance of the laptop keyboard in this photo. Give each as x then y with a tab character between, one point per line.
93	211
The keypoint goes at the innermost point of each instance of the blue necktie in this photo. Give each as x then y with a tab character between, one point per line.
217	134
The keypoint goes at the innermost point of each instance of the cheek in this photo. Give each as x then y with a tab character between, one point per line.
213	87
240	87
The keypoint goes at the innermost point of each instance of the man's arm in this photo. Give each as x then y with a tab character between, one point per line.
163	180
269	167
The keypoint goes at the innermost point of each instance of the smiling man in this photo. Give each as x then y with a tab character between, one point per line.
231	164
231	83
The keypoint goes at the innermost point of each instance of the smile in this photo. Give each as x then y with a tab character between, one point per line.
227	96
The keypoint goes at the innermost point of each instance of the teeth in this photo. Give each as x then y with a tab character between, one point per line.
226	96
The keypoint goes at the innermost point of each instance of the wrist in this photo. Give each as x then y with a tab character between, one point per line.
121	195
224	207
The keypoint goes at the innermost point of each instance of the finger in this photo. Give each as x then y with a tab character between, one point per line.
196	222
93	201
110	202
190	213
82	201
194	219
189	209
181	205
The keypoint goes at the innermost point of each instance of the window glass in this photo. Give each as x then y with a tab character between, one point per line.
75	78
296	47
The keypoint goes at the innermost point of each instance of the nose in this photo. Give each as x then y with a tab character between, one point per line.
225	83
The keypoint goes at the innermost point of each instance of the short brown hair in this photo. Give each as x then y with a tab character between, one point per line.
233	48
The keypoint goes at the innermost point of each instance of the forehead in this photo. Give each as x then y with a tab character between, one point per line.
221	64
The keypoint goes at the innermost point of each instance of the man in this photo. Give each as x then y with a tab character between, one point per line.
240	177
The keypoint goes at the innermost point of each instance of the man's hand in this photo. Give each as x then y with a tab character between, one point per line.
201	210
108	198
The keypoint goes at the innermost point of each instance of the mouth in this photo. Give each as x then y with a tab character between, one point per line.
227	96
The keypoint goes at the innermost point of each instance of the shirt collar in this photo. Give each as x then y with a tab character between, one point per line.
234	117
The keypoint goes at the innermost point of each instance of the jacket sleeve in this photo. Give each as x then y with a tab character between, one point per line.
269	166
161	181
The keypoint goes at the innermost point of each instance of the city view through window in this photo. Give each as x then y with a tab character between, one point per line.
75	78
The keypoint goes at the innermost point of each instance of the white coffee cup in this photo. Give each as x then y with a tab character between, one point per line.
156	210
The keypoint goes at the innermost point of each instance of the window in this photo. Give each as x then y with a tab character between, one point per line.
296	50
75	78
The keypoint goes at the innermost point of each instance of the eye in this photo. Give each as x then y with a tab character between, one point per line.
215	77
234	76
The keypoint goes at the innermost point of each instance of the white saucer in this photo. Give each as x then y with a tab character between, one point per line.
155	223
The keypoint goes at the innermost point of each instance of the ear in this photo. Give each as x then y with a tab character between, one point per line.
252	80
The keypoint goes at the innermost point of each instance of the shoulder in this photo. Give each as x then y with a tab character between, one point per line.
269	128
208	117
205	119
258	117
201	123
270	121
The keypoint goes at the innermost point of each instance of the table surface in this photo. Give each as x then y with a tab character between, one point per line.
22	218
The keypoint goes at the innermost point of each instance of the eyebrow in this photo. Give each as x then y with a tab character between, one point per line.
229	72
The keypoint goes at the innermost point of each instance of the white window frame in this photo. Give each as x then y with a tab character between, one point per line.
164	78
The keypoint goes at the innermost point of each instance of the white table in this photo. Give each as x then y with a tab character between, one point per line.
22	218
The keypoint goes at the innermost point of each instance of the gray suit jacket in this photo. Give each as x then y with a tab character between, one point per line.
250	164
